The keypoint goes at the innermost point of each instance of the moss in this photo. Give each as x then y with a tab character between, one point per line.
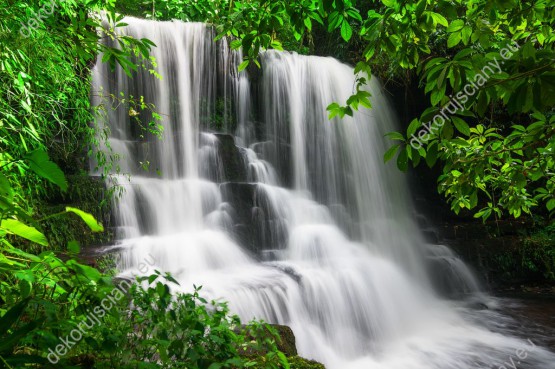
297	362
282	335
286	342
85	193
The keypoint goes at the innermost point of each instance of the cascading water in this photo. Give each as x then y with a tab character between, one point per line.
304	227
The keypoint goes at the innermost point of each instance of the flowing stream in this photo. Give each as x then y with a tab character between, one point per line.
254	194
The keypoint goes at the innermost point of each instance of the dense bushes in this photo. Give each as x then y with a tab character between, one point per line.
537	253
66	314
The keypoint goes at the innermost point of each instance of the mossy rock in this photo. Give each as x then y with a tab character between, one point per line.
297	362
286	343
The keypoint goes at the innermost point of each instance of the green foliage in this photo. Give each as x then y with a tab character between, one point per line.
45	84
41	296
538	251
45	299
488	69
13	218
265	24
87	193
40	163
528	257
257	25
176	330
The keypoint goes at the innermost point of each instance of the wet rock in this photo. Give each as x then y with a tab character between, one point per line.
478	306
241	196
256	224
234	166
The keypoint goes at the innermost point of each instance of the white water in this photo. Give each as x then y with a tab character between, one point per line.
316	233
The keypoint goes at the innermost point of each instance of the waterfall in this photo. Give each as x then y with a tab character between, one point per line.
254	194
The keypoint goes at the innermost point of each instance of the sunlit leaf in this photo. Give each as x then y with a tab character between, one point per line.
40	163
93	224
20	229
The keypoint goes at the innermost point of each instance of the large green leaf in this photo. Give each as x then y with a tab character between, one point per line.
346	30
22	230
461	126
389	3
16	251
431	155
454	39
402	160
40	163
455	26
411	130
389	154
93	224
85	270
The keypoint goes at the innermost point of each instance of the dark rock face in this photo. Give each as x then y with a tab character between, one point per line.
242	198
257	226
232	161
496	250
